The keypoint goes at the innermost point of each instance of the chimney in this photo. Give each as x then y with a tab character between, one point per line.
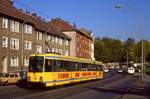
10	1
39	18
27	12
34	14
21	10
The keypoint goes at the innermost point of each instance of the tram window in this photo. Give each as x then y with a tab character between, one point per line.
80	66
100	67
85	66
56	65
36	64
92	67
48	65
95	67
74	66
89	67
66	66
62	67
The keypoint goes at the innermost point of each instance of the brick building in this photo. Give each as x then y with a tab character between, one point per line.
22	34
82	43
85	44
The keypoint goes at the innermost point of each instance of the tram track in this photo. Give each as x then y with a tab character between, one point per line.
69	91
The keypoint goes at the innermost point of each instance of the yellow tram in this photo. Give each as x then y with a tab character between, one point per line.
52	70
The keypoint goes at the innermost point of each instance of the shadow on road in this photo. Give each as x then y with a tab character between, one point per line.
23	84
136	90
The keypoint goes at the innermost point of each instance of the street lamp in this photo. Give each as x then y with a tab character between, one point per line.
121	6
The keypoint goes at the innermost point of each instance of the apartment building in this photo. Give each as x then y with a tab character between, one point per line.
22	34
82	43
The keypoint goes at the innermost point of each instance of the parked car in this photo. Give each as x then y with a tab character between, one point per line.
9	78
120	71
131	70
105	69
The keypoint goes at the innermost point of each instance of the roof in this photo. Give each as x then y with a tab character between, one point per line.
85	32
62	25
62	57
65	26
9	10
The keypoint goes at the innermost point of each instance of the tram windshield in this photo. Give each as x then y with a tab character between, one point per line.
36	64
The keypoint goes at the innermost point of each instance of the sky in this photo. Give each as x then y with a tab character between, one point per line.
99	16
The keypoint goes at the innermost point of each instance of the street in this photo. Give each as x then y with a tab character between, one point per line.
72	49
114	86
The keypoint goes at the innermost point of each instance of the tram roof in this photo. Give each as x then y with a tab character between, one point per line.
99	63
62	57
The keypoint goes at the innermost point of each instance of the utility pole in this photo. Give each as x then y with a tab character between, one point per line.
120	6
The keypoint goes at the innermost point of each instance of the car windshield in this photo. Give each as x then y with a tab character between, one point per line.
4	75
36	64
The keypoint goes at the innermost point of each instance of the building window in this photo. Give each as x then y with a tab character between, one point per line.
5	23
4	41
28	29
14	43
39	35
28	45
61	51
53	39
48	37
66	53
38	49
53	50
47	49
60	41
57	40
26	62
14	61
56	50
15	26
67	42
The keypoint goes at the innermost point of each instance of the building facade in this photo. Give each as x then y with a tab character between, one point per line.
22	34
85	44
82	43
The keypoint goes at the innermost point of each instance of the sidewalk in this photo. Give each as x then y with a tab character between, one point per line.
140	91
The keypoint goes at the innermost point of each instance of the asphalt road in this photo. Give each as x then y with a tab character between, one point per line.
114	86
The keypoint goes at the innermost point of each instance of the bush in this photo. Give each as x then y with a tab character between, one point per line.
147	70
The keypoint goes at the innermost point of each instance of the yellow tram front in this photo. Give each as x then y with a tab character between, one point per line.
52	70
36	70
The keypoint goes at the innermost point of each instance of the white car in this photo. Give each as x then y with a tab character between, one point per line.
105	70
120	71
131	70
